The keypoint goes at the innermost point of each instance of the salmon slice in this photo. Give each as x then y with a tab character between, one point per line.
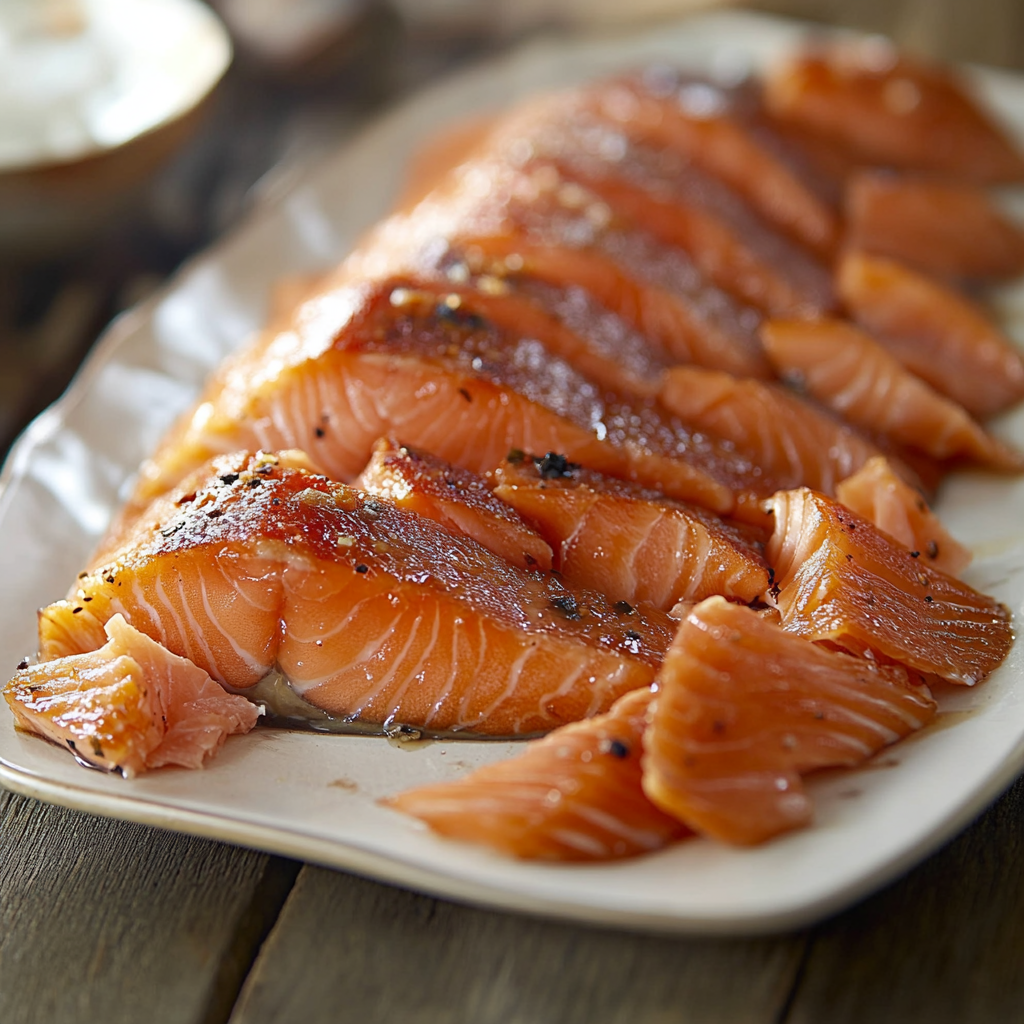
784	435
949	229
743	710
494	225
880	496
459	500
935	332
844	581
373	361
629	543
893	111
372	613
667	195
698	121
574	795
848	371
129	706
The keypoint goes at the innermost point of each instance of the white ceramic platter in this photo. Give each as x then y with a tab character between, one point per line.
314	797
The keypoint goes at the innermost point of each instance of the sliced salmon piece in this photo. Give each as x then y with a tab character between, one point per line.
574	795
459	500
371	612
934	331
743	710
849	372
667	195
499	226
844	581
784	435
629	543
128	706
879	495
698	120
377	361
950	229
894	111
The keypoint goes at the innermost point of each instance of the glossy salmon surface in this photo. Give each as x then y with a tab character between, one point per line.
843	581
891	110
459	500
371	612
950	229
849	372
743	710
879	495
376	361
936	332
710	126
574	795
629	543
128	706
780	432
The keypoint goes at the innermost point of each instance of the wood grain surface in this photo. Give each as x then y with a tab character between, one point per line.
104	921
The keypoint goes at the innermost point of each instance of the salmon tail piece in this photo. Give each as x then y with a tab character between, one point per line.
743	710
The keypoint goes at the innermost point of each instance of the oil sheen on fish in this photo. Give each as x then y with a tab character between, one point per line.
845	582
574	795
743	710
371	612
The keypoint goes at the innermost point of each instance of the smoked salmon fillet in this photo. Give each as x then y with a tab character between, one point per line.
743	710
128	706
574	795
890	110
629	543
371	612
843	581
377	360
935	332
879	495
460	501
949	229
497	227
852	374
779	431
710	126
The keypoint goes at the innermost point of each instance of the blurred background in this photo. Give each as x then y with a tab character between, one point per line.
103	196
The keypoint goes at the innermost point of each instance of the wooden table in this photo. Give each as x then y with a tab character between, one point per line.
104	921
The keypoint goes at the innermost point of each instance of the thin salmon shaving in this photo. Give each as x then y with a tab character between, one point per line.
852	374
935	332
845	582
128	706
879	495
372	613
949	229
781	433
893	111
632	544
459	500
743	710
573	796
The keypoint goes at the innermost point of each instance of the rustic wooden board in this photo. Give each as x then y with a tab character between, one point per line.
346	949
945	944
108	921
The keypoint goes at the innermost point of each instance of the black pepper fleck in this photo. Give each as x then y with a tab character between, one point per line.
554	466
567	606
623	607
615	747
362	568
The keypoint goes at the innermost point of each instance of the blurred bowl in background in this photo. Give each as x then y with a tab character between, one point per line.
94	96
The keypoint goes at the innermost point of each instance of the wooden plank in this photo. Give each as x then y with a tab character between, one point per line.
944	945
347	949
114	922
